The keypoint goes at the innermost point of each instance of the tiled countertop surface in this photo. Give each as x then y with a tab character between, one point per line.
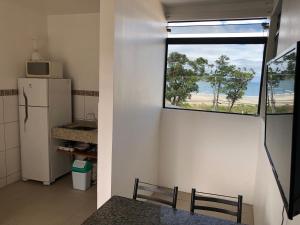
124	211
87	136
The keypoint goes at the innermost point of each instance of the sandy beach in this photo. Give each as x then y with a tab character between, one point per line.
201	98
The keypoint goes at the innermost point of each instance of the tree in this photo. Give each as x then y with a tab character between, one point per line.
198	66
281	70
236	84
182	77
273	82
212	79
217	77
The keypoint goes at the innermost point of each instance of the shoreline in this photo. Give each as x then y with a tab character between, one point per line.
198	99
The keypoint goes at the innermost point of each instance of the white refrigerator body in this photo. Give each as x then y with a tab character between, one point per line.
35	157
35	90
43	104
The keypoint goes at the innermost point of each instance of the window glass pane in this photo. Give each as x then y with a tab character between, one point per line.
281	82
214	77
230	28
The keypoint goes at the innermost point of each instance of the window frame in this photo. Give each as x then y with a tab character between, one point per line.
217	40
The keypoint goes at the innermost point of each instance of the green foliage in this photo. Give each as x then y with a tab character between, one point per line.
217	77
236	84
184	74
182	77
284	66
282	109
239	108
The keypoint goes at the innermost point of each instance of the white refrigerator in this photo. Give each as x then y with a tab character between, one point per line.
43	104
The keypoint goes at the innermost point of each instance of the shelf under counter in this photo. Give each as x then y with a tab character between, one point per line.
92	155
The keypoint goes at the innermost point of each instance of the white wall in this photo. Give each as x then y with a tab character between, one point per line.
106	93
74	39
19	24
139	68
209	151
212	152
289	27
63	7
137	73
268	203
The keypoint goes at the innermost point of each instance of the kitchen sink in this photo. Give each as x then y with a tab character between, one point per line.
84	127
80	131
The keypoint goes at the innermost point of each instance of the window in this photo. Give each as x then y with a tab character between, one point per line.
215	66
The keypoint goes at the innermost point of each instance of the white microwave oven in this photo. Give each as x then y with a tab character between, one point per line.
44	69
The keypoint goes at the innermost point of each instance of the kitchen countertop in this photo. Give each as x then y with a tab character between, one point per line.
124	211
69	132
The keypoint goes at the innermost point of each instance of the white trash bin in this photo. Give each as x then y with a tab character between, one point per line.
81	175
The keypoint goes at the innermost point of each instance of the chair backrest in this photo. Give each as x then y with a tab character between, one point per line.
155	193
236	202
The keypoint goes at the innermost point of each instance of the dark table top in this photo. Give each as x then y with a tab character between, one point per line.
124	211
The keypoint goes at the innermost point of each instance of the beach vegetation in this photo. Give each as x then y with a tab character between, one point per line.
281	70
217	76
238	108
236	84
183	76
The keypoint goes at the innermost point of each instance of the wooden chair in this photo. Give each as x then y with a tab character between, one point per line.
169	195
236	202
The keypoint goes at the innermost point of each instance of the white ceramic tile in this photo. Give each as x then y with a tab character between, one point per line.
11	135
13	178
13	162
91	107
78	107
2	182
1	110
10	104
2	138
2	165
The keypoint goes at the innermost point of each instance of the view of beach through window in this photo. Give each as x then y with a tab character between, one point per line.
280	84
222	77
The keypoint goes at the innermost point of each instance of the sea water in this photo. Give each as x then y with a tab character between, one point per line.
253	88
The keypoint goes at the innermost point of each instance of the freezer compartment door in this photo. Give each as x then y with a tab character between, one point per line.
33	91
34	137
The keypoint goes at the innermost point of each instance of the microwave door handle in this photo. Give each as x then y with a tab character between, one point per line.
26	109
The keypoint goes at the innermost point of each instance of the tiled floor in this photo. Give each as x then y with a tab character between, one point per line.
31	203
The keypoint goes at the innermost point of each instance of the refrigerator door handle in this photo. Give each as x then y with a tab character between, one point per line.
26	108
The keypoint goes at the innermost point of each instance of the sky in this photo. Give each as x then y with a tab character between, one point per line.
241	55
233	27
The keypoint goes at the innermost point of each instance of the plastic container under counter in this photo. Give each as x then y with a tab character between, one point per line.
81	175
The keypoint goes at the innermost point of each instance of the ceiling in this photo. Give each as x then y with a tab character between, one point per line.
172	7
